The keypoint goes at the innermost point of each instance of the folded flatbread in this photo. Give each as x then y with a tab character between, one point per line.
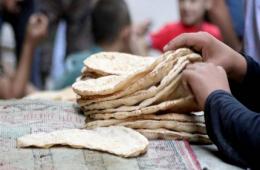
106	63
182	105
90	123
117	140
154	134
66	94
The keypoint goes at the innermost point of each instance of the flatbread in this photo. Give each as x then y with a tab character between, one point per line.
117	140
179	93
172	94
153	134
110	84
166	124
154	93
126	101
92	74
47	95
104	85
163	95
152	78
174	116
86	72
176	104
183	105
66	94
145	94
168	116
116	63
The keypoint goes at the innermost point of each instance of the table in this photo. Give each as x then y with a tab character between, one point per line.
20	117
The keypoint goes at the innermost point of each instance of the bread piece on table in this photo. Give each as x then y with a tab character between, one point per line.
117	140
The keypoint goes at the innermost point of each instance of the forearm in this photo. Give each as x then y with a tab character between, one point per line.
21	77
220	16
233	128
15	86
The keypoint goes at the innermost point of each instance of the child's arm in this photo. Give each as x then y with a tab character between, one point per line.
14	87
233	128
230	125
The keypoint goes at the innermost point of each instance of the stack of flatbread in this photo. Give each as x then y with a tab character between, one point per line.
142	93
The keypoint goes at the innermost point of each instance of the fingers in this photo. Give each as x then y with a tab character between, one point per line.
198	66
33	19
204	78
37	27
39	23
145	27
221	69
142	28
38	19
43	19
192	71
192	40
187	76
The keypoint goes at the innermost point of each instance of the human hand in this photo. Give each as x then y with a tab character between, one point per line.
37	28
142	28
11	6
138	43
203	79
213	51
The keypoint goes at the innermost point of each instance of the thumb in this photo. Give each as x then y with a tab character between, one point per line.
187	76
188	81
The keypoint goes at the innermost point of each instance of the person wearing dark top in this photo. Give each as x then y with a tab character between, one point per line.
231	107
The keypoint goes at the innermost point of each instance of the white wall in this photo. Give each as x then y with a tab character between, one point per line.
159	11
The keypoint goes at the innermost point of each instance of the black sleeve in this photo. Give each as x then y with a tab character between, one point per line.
248	92
234	129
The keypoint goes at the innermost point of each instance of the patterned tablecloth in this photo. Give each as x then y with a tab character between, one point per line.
20	117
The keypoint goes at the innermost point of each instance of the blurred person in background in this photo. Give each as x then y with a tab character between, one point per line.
16	13
16	85
192	14
112	31
252	30
229	16
76	14
240	29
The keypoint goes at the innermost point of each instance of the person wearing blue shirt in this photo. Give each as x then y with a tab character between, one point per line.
112	32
